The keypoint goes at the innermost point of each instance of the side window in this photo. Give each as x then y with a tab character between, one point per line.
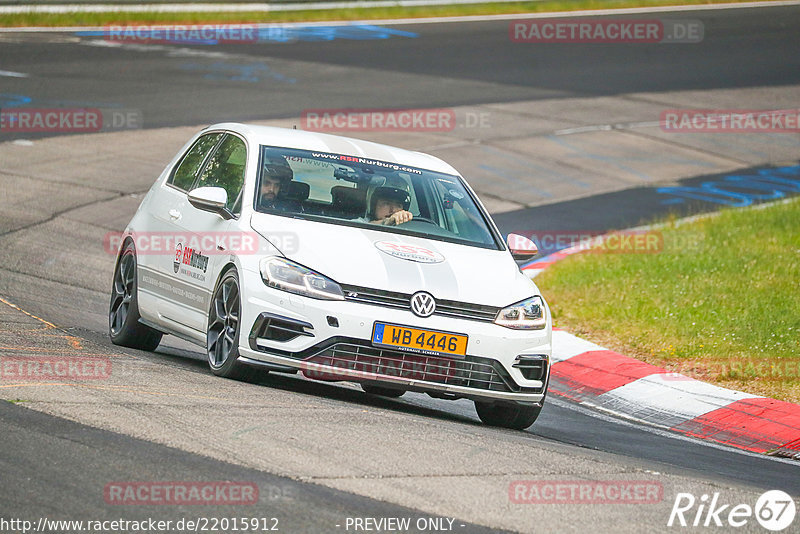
186	171
226	169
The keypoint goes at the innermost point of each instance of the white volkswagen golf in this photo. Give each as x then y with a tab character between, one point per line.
346	260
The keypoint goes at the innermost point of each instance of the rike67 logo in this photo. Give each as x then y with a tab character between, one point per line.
774	510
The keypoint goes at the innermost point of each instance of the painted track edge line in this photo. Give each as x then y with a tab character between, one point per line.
470	18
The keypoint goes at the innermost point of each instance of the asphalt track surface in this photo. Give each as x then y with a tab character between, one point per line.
447	64
60	467
117	457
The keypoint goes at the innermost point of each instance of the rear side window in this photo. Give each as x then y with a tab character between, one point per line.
189	166
225	169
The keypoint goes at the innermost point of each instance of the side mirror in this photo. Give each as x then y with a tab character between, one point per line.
521	247
213	199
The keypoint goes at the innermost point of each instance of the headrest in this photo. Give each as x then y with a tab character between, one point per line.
298	191
348	198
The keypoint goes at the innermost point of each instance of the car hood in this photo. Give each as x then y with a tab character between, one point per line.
369	258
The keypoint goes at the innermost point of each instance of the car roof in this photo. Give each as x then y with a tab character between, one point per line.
305	140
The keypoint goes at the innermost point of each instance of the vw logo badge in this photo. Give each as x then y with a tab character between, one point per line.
423	304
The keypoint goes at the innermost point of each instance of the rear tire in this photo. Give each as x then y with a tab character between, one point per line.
507	415
124	327
382	391
222	337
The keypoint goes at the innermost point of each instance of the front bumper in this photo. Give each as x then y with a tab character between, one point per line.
260	358
330	340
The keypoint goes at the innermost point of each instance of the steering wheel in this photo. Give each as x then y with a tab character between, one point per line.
423	219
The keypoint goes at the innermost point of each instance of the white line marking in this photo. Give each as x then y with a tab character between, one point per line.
609	127
427	20
12	74
585	13
215	8
584	129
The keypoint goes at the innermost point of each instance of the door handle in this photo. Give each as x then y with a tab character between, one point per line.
174	214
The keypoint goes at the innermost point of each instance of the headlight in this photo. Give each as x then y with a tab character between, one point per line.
529	314
287	275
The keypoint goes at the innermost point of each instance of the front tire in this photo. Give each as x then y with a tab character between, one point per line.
124	327
508	415
222	337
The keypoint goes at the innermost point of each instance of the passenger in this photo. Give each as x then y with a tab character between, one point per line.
275	177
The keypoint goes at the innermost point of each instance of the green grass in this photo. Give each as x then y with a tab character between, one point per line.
123	18
725	308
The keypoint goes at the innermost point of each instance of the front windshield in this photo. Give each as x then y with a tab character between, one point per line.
374	194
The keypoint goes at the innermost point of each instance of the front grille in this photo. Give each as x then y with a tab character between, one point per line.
471	371
377	297
464	310
446	308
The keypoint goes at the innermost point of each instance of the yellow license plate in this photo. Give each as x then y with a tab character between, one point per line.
419	341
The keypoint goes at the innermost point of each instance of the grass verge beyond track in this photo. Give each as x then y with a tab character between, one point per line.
720	302
369	13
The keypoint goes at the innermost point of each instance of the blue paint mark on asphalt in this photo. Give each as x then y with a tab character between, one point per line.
739	190
353	32
247	35
17	101
13	101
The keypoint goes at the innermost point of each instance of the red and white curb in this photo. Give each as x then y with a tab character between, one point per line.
611	382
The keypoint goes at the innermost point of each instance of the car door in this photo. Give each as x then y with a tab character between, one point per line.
200	256
165	233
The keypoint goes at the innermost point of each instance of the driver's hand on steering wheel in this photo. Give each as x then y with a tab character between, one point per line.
398	217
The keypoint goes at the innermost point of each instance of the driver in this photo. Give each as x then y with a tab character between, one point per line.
275	177
389	203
